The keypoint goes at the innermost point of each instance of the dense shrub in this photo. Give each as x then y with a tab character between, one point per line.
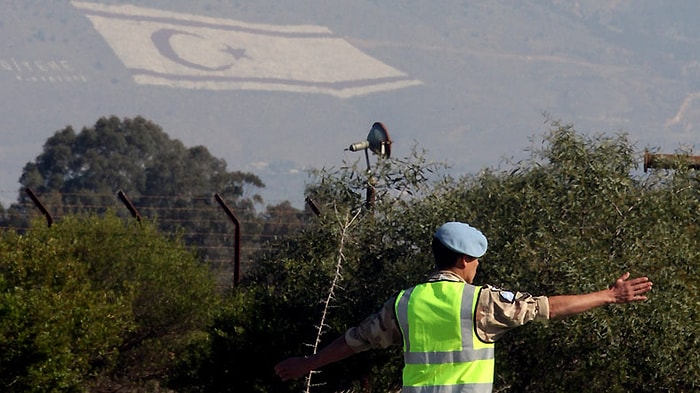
96	302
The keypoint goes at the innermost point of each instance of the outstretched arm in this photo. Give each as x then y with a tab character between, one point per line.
297	367
623	291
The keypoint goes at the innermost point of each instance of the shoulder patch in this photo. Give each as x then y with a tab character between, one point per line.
507	296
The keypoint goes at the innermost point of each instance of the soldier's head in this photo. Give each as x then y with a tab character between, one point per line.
453	240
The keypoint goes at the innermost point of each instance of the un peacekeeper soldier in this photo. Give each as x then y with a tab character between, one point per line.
448	326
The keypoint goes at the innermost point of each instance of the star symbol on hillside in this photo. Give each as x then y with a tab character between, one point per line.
237	53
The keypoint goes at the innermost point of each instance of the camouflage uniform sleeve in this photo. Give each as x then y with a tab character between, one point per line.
499	311
378	330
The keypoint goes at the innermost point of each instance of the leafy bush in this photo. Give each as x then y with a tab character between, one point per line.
98	303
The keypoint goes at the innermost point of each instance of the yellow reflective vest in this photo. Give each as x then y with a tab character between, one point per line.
442	353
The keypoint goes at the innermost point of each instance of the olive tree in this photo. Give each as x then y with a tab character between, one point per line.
572	218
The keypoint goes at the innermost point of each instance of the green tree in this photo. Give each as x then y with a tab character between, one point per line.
567	220
82	172
55	329
99	304
573	216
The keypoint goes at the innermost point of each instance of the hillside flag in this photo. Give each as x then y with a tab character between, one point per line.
196	52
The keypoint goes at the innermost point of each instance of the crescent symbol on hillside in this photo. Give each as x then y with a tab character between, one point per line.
161	39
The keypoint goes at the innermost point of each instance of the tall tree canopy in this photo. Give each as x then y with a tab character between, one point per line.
133	155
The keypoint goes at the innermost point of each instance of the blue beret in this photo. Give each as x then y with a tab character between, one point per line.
462	238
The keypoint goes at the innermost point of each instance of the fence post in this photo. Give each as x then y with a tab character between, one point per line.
669	161
310	202
122	196
237	236
38	204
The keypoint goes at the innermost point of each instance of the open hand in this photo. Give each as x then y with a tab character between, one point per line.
626	291
293	368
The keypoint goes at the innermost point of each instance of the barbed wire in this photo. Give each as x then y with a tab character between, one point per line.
8	197
191	215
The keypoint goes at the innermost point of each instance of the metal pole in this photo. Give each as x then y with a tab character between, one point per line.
38	204
237	235
312	205
122	196
669	161
369	199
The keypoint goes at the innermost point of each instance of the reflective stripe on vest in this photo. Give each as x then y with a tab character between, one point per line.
442	353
